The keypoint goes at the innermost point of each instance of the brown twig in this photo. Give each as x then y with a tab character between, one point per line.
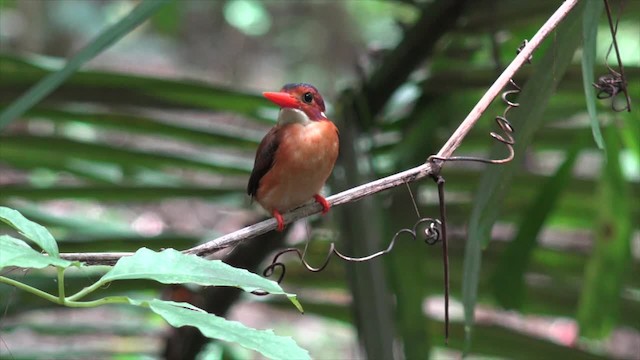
376	186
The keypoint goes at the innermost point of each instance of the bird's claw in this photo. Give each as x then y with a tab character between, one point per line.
323	202
279	219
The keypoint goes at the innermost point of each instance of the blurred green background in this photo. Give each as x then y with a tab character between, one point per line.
152	141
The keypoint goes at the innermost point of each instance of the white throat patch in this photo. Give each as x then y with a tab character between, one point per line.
293	116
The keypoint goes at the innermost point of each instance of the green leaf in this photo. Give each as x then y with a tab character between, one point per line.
508	279
32	231
16	252
263	341
95	47
173	267
592	12
526	120
610	259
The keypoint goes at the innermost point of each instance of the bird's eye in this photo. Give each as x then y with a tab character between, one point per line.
307	97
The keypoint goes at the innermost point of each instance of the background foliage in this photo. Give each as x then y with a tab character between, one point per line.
150	144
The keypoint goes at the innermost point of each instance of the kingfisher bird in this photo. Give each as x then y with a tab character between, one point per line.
296	157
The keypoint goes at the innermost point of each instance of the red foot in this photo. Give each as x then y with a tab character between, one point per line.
322	201
279	219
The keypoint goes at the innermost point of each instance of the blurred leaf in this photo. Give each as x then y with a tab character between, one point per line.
32	231
604	276
173	267
592	12
16	252
40	150
629	133
212	136
134	90
526	120
505	343
95	47
169	18
115	193
508	279
264	341
408	257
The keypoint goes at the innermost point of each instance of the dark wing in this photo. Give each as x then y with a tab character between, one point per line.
264	159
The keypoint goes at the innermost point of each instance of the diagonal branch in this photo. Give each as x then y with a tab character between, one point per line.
359	192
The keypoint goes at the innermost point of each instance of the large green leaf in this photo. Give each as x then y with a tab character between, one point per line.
592	12
95	47
173	267
508	280
264	341
526	120
32	231
609	264
16	252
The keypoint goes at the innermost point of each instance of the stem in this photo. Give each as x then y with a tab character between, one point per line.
61	295
67	302
86	291
98	302
30	289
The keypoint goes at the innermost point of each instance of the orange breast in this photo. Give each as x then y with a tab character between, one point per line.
302	164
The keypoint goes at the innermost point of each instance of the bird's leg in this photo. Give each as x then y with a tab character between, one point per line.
276	214
322	201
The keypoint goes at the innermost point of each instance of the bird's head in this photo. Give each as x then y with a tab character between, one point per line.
301	103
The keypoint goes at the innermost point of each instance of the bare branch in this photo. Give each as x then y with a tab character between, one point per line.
376	186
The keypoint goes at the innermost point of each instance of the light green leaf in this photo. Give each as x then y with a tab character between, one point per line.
263	341
16	252
610	260
526	119
32	231
95	47
173	267
592	12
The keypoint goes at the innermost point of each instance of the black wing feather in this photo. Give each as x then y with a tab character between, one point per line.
264	159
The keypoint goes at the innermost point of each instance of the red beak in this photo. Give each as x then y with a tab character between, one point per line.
282	99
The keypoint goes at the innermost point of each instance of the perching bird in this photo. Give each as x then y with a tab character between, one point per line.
296	157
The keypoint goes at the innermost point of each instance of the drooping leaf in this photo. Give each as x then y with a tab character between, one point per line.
610	259
592	12
263	341
526	120
32	231
508	280
16	252
173	267
112	34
